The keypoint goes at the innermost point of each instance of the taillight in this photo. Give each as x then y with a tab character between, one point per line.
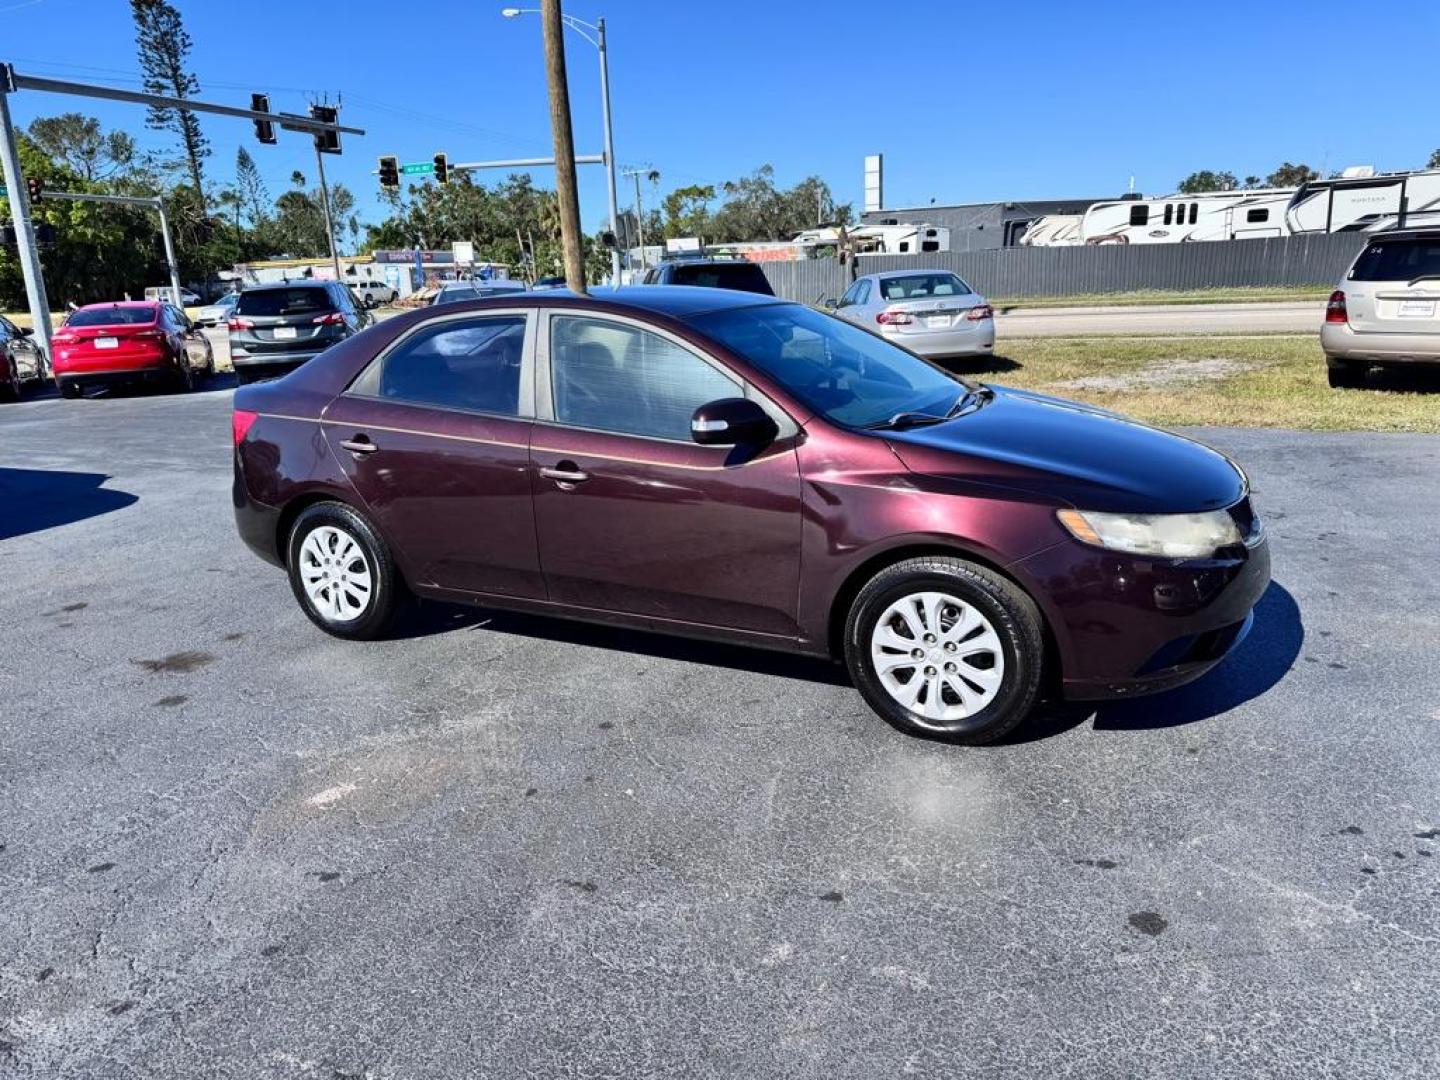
240	324
64	339
1335	310
980	311
895	318
333	319
240	421
149	334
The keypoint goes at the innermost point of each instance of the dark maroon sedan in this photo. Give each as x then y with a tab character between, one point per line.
728	466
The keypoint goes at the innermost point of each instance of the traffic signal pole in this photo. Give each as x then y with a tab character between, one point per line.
24	228
325	202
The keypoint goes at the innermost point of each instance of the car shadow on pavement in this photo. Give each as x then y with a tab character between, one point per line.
979	365
33	500
436	617
1268	652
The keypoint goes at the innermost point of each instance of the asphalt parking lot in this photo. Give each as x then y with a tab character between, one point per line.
509	847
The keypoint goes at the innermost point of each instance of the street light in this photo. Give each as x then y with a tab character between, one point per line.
598	29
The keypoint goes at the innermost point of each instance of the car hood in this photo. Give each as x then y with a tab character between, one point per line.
1088	457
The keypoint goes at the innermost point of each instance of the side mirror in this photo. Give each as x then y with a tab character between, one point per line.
829	303
27	331
732	421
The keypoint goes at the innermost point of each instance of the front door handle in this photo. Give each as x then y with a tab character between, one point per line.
359	445
565	473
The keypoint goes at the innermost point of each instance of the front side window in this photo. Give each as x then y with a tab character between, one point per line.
846	374
620	378
1139	214
471	364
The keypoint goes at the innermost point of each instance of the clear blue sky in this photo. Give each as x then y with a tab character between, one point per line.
967	102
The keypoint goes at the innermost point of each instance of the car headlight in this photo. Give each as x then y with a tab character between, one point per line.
1169	536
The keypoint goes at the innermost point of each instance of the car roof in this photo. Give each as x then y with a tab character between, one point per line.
917	272
677	302
1417	233
122	303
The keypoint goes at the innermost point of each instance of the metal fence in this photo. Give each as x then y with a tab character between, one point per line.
1068	271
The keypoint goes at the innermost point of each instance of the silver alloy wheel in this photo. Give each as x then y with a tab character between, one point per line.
937	656
336	575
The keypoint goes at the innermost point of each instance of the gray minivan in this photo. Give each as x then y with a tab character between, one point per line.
275	328
1387	308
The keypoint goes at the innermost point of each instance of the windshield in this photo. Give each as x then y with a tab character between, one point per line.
112	316
845	374
922	286
1398	260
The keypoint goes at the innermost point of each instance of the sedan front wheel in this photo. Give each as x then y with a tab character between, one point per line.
945	648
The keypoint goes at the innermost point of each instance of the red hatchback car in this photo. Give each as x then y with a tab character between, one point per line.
130	342
729	466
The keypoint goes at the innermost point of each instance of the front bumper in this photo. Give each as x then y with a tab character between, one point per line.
1126	625
1340	342
971	339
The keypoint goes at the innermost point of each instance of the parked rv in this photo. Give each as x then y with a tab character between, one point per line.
1362	200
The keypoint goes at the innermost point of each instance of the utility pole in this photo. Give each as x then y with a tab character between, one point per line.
570	240
609	150
325	202
20	212
639	212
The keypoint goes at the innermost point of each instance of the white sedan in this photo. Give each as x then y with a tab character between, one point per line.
930	312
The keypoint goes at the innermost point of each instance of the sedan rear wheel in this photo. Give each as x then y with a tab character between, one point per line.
945	648
1344	374
341	572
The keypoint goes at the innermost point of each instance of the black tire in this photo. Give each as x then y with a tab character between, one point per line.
69	388
184	380
1344	374
375	617
1012	615
10	389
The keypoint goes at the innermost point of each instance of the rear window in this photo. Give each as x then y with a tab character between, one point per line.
284	302
1398	260
455	296
741	276
921	286
116	316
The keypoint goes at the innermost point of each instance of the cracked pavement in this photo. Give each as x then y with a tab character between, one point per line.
509	847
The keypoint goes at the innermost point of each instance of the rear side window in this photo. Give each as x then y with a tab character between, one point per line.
469	364
272	302
115	316
922	286
1139	214
1398	260
740	276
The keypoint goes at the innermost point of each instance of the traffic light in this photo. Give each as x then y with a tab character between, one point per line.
35	187
44	233
442	169
389	172
264	129
327	142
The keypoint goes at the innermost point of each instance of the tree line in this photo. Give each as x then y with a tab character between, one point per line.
1287	175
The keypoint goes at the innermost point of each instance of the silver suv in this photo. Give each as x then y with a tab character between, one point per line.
1387	310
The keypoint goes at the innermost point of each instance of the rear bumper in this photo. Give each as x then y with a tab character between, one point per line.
1341	342
257	523
287	359
123	376
1126	626
971	339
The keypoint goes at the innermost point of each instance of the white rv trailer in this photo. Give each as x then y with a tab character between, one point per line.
1214	215
1053	230
1362	200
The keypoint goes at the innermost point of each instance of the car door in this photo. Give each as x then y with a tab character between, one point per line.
434	438
191	343
631	515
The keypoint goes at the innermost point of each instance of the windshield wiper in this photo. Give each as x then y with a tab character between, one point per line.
911	418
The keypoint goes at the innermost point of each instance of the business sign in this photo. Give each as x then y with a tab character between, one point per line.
874	182
463	251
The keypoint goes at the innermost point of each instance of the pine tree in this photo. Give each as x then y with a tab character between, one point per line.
163	46
251	187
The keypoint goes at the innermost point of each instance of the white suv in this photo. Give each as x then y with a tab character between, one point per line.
374	293
1387	310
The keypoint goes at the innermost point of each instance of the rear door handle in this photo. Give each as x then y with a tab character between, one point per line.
359	445
565	473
